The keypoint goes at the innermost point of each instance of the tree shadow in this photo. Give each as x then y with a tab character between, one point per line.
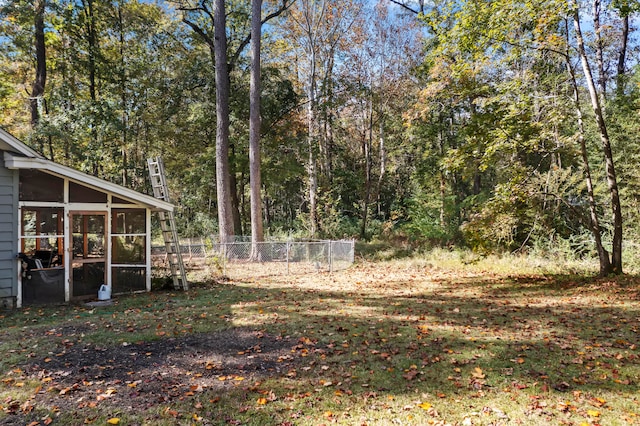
299	348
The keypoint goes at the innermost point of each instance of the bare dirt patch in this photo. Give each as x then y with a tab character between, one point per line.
138	376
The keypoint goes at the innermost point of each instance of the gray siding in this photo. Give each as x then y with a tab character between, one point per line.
8	230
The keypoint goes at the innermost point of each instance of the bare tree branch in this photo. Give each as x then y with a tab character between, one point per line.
407	7
199	31
286	4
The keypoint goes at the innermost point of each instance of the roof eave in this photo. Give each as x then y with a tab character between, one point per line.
16	145
12	161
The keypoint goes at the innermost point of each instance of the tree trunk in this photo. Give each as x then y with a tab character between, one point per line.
599	48
383	162
37	88
594	222
223	187
92	42
622	53
255	180
367	142
616	249
325	142
228	206
311	139
123	97
237	192
443	181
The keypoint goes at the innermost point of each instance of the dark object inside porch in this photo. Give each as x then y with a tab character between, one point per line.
45	286
41	285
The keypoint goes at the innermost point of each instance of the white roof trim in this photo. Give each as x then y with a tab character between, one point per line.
17	146
18	162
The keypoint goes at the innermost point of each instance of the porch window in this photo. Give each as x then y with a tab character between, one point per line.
39	186
42	235
83	194
128	243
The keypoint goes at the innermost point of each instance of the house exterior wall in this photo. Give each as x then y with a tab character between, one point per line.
8	235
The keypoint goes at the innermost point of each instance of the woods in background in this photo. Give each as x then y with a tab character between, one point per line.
495	125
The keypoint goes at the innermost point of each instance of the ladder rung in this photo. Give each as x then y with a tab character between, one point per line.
168	225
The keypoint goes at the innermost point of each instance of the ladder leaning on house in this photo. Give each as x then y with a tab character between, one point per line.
168	224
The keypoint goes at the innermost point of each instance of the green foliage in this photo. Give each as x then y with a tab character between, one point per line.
463	132
493	228
198	225
422	223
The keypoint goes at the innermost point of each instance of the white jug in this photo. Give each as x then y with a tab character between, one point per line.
104	293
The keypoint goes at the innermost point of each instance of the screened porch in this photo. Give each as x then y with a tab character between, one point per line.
75	237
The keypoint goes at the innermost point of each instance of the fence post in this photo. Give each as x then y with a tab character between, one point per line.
330	256
288	248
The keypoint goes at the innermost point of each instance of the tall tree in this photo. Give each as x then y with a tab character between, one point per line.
38	86
594	221
612	182
216	42
223	186
257	232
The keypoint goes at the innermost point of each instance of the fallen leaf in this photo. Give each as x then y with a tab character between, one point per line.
410	375
477	373
113	421
425	405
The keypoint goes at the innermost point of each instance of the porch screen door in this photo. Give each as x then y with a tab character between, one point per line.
88	255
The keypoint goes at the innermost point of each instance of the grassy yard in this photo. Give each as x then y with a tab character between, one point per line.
384	343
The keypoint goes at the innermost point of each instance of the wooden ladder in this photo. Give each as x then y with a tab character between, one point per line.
168	225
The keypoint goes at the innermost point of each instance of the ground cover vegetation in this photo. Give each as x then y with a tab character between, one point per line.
498	126
502	127
434	339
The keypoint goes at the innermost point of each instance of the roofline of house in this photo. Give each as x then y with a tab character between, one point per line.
17	145
13	161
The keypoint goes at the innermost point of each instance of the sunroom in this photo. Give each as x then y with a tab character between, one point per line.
77	233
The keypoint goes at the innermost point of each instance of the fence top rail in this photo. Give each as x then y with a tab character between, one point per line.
191	242
274	239
309	242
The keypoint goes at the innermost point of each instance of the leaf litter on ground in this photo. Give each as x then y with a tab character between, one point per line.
381	343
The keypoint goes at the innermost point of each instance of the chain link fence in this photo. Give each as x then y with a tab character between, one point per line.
243	259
